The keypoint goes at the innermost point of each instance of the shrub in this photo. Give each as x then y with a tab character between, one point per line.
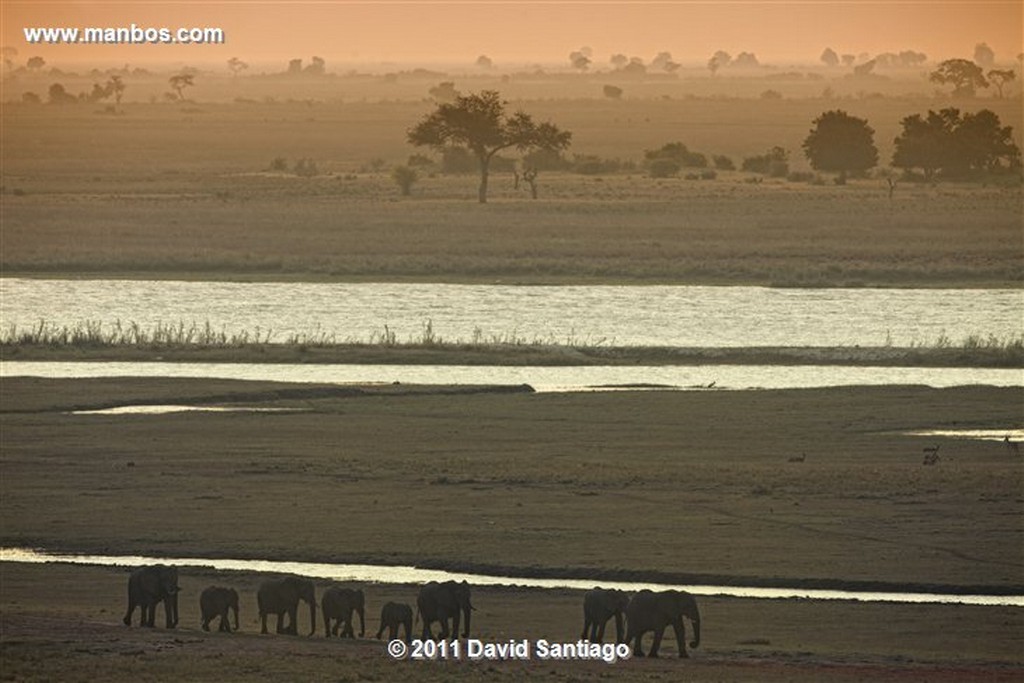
677	151
279	164
723	163
419	161
546	160
613	92
774	163
404	177
663	168
590	164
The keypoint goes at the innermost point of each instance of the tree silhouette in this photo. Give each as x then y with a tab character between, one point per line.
404	177
35	63
999	78
955	144
479	122
179	83
619	60
842	143
829	57
236	66
964	75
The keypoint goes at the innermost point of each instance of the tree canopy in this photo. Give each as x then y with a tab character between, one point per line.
955	144
479	123
964	75
840	142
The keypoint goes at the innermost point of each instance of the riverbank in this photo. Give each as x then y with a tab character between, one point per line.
977	355
71	630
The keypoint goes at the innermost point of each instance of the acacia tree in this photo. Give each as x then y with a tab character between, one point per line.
999	78
479	122
179	82
840	142
964	75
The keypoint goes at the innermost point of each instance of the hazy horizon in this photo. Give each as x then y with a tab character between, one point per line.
523	32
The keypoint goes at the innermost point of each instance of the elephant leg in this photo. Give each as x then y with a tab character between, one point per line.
293	615
659	633
225	621
618	628
171	619
280	622
149	611
680	630
444	630
586	629
427	635
263	623
637	649
599	636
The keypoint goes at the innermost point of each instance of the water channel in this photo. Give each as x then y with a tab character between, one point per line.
414	575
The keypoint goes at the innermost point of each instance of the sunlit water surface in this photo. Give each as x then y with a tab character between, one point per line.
620	315
414	575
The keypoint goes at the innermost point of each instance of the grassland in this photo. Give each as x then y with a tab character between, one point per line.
185	192
654	485
644	485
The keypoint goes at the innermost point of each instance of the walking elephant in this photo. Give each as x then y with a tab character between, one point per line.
441	602
393	615
215	601
649	611
149	586
280	597
600	605
337	605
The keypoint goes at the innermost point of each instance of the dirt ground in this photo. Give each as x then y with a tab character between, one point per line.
680	486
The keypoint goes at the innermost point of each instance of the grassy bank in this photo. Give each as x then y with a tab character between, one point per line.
94	341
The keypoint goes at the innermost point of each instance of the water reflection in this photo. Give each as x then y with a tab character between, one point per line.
541	378
620	315
412	575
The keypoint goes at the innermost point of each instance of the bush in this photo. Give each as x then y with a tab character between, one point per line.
613	92
404	177
800	177
663	168
419	161
723	163
589	164
546	160
677	151
279	164
774	163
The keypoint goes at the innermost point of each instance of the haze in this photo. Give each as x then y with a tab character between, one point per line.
433	32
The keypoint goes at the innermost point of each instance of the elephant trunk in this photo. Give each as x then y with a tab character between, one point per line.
312	617
696	629
465	630
362	621
235	608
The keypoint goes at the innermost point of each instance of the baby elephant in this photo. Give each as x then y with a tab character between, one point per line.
215	601
393	615
337	606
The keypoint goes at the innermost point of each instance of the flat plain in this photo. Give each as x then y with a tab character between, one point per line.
822	487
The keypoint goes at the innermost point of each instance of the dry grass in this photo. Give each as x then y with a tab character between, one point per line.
161	193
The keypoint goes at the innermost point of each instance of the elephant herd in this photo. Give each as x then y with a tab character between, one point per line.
447	604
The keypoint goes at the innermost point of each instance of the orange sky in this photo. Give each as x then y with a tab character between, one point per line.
270	32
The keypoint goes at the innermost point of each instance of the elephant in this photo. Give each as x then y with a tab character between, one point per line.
650	611
441	602
337	605
215	601
280	596
149	586
600	605
393	615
